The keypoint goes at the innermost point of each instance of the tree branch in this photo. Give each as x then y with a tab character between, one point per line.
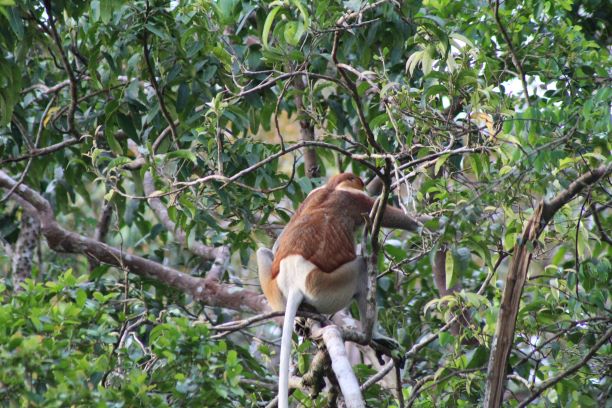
43	151
102	228
276	156
197	247
73	83
515	60
342	367
501	344
153	79
205	290
307	131
604	235
552	381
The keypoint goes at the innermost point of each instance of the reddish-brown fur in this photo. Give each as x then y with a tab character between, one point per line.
322	229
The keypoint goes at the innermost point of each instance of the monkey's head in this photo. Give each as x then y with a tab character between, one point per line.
345	180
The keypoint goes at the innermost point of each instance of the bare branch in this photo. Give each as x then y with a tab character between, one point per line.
47	89
386	369
357	14
342	367
274	157
102	228
552	206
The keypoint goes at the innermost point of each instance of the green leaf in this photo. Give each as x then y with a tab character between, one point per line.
118	162
509	241
445	338
414	59
440	162
81	297
293	32
106	10
268	25
155	30
477	357
182	154
451	277
16	23
476	165
303	12
112	142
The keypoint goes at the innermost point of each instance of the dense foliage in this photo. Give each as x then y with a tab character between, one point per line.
475	111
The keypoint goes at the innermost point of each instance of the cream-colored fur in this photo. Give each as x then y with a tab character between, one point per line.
326	292
347	187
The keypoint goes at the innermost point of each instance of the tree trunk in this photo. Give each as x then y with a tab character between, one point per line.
25	248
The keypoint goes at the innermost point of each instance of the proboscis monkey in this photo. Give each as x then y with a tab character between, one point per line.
314	260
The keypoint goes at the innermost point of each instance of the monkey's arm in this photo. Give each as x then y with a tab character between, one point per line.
395	218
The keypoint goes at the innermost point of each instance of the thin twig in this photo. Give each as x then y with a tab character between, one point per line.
554	380
604	236
272	81
29	163
514	57
154	83
73	82
44	150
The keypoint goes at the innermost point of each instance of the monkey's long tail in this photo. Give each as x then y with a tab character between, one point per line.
293	302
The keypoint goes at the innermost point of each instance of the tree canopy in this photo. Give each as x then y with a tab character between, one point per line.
148	148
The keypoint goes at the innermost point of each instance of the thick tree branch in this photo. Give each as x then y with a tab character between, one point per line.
104	223
515	281
102	228
587	179
208	291
342	367
25	247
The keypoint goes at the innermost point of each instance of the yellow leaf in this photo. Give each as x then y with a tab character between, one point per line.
49	115
487	119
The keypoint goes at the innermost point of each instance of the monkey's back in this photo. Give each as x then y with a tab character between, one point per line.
322	229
